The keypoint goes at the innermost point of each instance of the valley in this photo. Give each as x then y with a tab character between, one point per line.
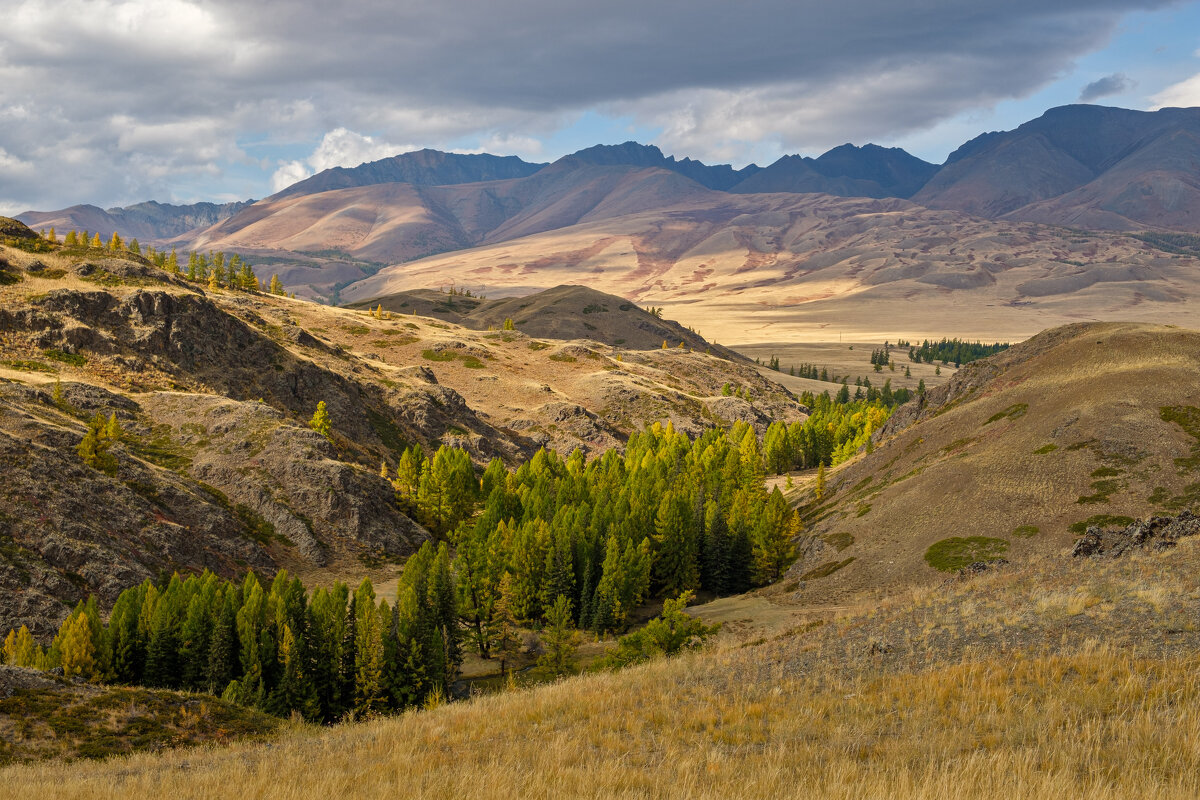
613	476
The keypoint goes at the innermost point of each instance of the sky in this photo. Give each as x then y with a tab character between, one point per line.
113	102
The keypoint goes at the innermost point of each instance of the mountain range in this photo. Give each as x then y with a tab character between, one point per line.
849	239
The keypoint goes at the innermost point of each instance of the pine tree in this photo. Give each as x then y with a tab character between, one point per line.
821	482
96	243
508	323
115	243
320	421
71	239
276	286
134	247
773	541
560	638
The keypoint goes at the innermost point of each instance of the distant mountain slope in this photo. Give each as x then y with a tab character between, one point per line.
777	267
145	221
1081	165
847	171
421	167
394	222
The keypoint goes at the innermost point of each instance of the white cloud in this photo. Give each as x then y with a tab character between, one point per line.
130	99
1184	94
338	148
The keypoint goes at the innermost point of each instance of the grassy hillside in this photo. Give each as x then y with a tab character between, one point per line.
1086	424
1061	678
44	717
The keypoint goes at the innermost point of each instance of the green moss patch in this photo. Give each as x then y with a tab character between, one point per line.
1188	418
1044	449
1015	411
563	358
28	366
434	355
1026	531
951	555
839	541
825	570
1100	521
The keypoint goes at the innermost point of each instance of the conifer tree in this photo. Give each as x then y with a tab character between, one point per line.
560	638
223	646
320	421
821	481
76	647
95	242
676	565
52	236
368	656
276	286
134	247
71	239
504	625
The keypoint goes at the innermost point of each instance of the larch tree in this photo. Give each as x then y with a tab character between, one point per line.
320	421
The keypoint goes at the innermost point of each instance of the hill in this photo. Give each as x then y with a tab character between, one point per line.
562	312
1015	456
1080	165
216	466
147	221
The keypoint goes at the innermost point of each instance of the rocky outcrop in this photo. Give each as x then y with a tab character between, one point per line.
1155	533
68	530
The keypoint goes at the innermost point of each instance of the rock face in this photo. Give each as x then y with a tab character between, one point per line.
1155	533
68	530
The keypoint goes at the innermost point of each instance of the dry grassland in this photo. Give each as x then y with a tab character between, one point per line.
1028	704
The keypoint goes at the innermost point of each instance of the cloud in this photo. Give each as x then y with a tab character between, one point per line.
129	99
338	148
1184	94
1117	83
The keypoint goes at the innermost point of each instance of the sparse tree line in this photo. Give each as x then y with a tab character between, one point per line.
835	430
952	351
211	269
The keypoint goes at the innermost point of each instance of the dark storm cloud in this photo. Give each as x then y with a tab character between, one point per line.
115	100
1105	87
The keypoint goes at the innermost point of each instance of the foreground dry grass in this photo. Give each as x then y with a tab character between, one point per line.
811	713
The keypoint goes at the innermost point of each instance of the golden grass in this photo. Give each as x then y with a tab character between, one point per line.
1096	723
1024	702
